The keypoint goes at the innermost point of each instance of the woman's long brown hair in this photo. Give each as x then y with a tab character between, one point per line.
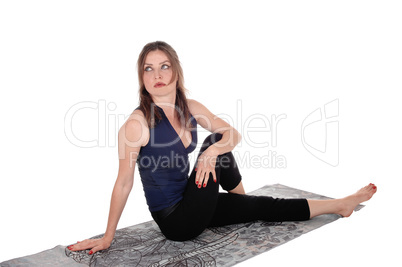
146	102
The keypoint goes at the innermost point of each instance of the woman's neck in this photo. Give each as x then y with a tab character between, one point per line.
167	103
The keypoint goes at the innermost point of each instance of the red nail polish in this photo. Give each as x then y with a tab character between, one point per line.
90	253
70	247
205	185
199	186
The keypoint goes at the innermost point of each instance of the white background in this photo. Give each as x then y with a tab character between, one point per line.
290	57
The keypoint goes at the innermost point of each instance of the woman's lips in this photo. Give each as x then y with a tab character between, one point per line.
158	85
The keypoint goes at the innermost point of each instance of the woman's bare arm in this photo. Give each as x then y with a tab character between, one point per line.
132	135
230	138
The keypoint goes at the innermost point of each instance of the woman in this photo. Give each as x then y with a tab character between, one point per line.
160	134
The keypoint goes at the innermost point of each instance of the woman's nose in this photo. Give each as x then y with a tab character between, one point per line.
157	74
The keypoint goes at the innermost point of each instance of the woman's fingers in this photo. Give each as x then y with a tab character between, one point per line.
97	248
197	175
199	178
86	244
205	166
204	180
93	244
202	177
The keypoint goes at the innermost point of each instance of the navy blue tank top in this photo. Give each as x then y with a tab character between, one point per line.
163	164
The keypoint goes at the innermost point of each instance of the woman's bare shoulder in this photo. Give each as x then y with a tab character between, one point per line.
196	108
135	128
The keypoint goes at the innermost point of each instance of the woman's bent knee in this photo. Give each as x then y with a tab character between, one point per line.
211	139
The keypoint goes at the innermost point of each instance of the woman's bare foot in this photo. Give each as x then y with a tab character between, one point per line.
342	206
349	203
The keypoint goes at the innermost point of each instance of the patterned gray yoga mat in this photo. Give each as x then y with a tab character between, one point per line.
144	245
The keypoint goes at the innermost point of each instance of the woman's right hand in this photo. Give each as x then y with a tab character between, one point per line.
93	244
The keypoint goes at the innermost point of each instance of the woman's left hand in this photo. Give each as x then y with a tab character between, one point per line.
205	165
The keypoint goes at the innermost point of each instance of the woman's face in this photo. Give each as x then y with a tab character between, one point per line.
158	74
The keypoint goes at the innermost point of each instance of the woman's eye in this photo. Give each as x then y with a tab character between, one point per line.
148	69
165	67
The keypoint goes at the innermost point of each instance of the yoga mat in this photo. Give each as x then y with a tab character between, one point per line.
144	244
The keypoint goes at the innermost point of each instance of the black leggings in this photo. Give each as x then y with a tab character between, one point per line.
206	207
